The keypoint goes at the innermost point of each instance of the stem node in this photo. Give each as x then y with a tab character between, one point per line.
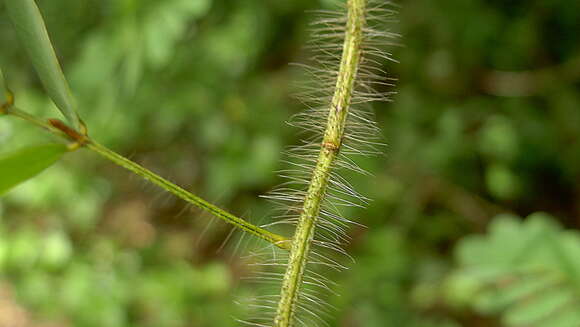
79	139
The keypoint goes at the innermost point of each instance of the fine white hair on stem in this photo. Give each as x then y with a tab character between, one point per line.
361	138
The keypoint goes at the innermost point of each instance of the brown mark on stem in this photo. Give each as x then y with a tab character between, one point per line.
73	135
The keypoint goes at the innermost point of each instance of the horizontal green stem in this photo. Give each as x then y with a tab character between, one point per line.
60	129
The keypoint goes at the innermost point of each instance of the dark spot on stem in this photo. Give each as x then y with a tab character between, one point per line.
71	133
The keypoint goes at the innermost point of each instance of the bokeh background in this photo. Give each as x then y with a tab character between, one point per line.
486	122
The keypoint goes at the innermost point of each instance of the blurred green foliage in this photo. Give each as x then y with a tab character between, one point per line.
486	121
525	271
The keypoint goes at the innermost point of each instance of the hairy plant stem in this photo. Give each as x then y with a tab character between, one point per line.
275	239
330	147
58	128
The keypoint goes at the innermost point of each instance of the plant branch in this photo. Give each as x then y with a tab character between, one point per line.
278	240
34	120
330	147
60	129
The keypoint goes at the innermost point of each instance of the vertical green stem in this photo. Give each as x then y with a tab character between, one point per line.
332	140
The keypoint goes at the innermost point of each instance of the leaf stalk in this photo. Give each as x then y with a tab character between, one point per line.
79	140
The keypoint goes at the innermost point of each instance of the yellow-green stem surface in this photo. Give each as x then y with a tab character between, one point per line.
332	140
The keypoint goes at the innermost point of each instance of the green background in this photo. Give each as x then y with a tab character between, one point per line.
486	120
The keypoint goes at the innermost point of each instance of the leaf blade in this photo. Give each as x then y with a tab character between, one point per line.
21	165
31	31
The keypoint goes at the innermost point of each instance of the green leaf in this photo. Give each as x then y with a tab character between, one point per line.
526	271
32	33
540	307
19	166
